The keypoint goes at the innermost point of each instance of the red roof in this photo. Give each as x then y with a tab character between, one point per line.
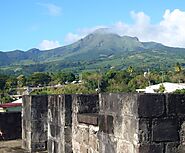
7	105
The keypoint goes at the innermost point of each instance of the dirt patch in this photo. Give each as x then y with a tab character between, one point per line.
13	146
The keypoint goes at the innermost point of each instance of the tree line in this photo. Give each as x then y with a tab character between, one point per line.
112	80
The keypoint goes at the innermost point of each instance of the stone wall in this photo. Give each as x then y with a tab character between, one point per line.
161	123
105	123
85	124
118	123
60	124
35	123
10	125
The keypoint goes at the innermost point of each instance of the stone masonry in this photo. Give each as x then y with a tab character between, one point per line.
104	123
35	123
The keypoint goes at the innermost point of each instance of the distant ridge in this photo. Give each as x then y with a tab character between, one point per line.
117	50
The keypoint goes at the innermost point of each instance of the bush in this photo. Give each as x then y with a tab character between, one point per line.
182	91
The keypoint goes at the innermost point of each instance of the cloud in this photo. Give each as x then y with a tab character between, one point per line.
169	31
70	38
48	44
52	9
73	37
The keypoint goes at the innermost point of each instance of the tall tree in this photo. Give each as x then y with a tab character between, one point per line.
178	67
39	78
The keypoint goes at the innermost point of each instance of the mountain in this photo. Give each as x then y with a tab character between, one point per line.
99	49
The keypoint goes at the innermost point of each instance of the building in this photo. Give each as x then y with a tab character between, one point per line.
169	87
15	106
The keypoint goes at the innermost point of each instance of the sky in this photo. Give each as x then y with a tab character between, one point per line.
47	24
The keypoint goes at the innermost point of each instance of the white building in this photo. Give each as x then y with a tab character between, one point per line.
169	87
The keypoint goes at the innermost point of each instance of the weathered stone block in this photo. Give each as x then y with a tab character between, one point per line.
87	103
176	104
39	102
37	114
68	134
52	131
165	130
128	129
108	102
68	110
83	149
39	146
68	148
110	124
182	132
106	124
144	131
181	148
93	141
151	105
151	148
172	148
118	104
126	147
90	119
49	146
107	143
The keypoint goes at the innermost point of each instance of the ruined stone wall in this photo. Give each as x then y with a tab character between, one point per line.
85	124
142	123
105	123
60	124
161	123
35	122
10	125
118	123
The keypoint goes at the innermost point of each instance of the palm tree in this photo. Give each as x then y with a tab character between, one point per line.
178	70
130	70
178	67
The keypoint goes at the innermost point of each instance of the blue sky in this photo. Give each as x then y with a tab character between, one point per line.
48	24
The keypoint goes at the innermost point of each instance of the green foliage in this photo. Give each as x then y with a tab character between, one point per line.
178	67
180	91
138	82
21	80
126	79
39	78
2	83
91	80
161	88
5	98
66	89
130	70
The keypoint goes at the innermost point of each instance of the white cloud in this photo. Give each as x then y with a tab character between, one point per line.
52	9
48	44
73	37
140	18
169	31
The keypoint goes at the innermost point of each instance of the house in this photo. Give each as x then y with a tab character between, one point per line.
168	87
15	106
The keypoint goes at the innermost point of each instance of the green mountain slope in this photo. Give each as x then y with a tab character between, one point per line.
99	49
